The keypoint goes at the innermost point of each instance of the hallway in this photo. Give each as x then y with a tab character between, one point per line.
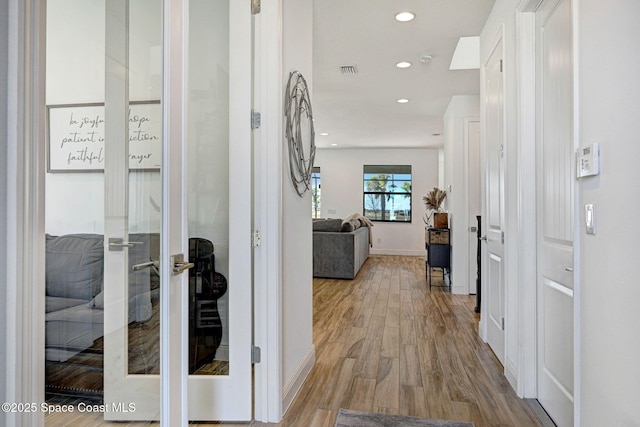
385	343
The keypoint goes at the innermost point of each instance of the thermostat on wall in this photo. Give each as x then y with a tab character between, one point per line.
588	160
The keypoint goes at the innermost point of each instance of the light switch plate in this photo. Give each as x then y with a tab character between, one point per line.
589	218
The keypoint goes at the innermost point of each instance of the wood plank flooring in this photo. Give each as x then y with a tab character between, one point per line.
385	343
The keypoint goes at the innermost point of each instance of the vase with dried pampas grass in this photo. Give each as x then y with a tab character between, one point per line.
433	201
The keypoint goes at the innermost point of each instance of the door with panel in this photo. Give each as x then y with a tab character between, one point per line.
555	170
494	287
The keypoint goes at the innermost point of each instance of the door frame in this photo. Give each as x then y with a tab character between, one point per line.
470	221
268	83
25	242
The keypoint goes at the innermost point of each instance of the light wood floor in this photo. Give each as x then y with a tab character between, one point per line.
385	343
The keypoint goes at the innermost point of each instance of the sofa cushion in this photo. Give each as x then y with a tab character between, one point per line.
74	266
330	224
57	303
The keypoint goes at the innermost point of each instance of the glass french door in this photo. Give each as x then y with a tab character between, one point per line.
147	128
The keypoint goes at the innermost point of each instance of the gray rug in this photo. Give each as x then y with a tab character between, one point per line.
347	418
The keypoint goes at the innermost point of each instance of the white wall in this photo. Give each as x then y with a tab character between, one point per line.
342	186
297	259
608	103
460	108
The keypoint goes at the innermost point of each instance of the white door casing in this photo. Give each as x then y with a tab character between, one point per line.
474	197
493	294
555	195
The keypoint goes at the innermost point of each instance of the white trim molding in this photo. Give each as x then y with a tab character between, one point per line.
267	195
526	169
23	368
293	386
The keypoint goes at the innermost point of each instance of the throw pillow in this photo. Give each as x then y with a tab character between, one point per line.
350	225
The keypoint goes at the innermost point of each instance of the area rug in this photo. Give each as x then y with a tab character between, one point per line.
347	418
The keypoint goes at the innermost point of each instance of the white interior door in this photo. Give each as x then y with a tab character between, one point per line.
555	148
197	334
474	199
493	285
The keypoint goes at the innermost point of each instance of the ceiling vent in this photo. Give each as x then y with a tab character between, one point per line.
348	69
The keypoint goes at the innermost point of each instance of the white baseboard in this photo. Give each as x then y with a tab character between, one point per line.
404	252
292	387
511	373
459	290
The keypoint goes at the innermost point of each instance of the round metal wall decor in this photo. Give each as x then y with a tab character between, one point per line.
299	132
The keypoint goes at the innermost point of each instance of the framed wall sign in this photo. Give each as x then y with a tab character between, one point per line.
76	142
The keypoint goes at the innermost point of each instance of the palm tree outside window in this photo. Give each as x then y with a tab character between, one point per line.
387	193
315	192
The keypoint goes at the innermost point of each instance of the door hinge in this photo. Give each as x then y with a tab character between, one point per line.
256	238
255	7
255	354
255	119
502	237
501	65
503	323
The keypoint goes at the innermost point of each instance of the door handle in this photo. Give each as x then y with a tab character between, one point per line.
117	243
179	264
569	269
143	265
484	238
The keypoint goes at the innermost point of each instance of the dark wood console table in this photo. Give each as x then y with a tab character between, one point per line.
438	246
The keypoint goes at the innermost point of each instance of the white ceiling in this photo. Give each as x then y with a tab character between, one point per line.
361	110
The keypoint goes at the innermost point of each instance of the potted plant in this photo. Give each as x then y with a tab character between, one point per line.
433	201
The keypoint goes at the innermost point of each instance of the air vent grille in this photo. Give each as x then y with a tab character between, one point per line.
348	69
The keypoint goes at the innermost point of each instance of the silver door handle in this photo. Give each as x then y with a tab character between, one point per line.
179	264
484	238
117	243
148	264
179	267
569	269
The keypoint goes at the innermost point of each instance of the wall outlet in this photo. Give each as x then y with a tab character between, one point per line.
378	240
331	211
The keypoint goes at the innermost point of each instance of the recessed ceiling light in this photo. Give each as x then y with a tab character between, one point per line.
405	16
324	134
402	101
403	64
334	145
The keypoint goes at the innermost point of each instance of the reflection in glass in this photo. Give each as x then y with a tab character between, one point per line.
208	186
75	202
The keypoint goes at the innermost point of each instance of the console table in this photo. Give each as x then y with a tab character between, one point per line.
438	246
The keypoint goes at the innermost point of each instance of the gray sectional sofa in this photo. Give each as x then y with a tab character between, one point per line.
74	290
339	248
